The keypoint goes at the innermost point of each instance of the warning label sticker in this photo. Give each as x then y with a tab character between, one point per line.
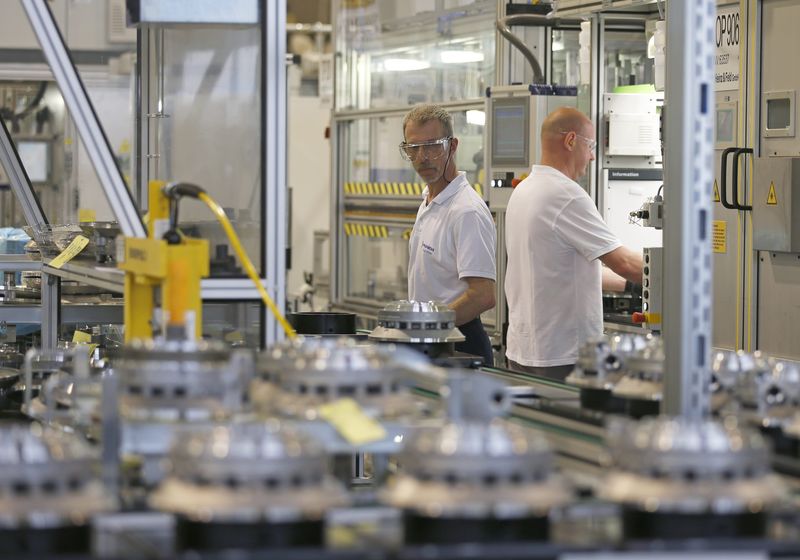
772	198
719	236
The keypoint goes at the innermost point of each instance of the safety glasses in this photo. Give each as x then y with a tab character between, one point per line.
589	142
435	149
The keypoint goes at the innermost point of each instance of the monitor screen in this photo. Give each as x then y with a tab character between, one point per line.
510	132
35	156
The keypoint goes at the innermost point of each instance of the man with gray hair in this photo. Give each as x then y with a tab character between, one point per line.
452	245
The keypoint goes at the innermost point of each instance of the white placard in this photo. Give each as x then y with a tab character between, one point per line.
726	60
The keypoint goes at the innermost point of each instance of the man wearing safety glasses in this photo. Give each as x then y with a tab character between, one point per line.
452	245
556	240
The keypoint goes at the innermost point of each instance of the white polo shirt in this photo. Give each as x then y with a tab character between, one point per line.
554	237
453	238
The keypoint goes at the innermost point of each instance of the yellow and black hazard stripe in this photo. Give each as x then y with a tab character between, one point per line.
365	230
383	189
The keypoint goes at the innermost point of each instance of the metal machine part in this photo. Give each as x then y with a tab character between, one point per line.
305	374
248	486
601	363
682	478
733	374
49	491
181	380
428	326
768	392
642	385
476	481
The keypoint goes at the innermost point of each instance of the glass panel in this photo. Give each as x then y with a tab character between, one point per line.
237	323
210	133
382	194
565	49
41	127
626	59
401	53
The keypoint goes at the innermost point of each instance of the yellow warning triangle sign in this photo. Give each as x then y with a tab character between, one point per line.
716	191
771	197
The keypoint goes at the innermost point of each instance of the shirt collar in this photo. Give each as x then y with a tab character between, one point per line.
451	189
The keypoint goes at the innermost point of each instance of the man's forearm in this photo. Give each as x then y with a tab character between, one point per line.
474	301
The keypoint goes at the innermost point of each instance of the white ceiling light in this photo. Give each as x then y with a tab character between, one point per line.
404	64
558	45
461	57
476	117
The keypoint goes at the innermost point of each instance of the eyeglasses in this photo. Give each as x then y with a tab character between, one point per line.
589	142
435	149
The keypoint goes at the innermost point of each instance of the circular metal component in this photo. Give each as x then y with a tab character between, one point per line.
476	470
48	479
305	374
417	322
601	361
168	380
248	473
668	465
644	373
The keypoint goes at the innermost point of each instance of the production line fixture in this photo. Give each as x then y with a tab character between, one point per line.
49	491
476	481
641	388
683	479
600	365
248	486
298	376
167	388
426	326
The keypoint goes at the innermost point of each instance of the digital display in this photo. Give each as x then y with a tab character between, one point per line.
510	132
35	156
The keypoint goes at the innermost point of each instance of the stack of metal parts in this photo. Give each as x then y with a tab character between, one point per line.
473	481
601	363
248	486
428	327
166	386
642	386
297	377
679	478
49	491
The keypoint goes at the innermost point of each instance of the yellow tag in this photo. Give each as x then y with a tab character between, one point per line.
719	236
78	244
87	215
351	422
81	337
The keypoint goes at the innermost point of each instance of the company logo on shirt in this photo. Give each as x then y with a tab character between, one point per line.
427	248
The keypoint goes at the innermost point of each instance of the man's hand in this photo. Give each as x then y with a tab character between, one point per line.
477	298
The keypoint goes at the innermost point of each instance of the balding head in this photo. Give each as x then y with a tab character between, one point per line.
567	141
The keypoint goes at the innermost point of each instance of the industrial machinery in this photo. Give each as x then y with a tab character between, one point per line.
428	327
683	479
248	486
514	116
601	363
303	375
50	491
642	386
474	481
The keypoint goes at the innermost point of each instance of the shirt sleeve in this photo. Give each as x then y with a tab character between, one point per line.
580	225
475	240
